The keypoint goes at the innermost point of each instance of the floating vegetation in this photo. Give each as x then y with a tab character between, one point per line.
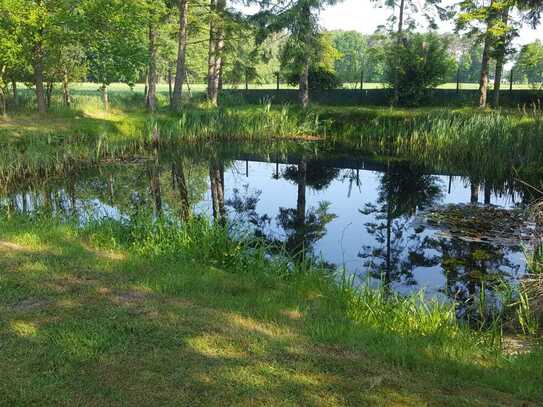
480	224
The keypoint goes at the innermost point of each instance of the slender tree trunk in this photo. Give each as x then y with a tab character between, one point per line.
48	93
146	89
221	75
398	45
66	90
181	182
170	85
216	176
303	80
483	80
211	55
152	75
38	80
15	93
500	58
180	72
38	69
303	86
488	194
105	98
474	195
3	109
301	204
216	46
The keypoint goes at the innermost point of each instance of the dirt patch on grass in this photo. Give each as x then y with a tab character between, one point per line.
30	304
8	246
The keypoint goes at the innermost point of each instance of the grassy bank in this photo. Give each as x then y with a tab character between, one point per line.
450	139
169	314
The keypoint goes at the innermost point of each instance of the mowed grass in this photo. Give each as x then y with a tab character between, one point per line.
201	87
82	324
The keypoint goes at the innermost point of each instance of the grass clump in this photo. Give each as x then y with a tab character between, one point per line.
171	313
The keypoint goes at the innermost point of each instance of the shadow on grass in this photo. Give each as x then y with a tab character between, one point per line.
88	327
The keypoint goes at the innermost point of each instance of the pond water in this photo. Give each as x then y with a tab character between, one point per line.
362	214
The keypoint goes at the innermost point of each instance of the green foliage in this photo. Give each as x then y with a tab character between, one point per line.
319	79
115	38
421	62
529	64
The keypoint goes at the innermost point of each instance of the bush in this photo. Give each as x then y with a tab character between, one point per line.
421	62
320	78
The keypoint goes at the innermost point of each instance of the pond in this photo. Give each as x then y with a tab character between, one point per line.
367	215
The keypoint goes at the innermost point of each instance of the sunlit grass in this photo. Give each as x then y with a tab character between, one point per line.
159	322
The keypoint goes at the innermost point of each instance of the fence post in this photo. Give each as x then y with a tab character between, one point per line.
277	75
362	79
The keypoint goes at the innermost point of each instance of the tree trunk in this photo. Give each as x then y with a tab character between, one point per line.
66	90
303	88
220	74
483	81
15	93
170	85
48	93
216	46
2	102
474	193
180	72
398	45
488	194
152	74
40	92
181	182
301	204
303	80
105	98
216	177
38	73
500	58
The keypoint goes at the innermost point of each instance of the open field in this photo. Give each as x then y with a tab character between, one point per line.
200	87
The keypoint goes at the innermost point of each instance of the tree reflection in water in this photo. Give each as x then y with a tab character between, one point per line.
400	249
302	227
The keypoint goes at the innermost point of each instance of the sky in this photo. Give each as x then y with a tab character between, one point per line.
365	16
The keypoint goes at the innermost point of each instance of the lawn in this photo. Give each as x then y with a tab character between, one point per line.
81	324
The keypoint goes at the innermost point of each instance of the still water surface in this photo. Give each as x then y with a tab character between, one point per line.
364	215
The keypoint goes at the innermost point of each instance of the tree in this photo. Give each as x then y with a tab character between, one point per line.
405	21
353	48
424	63
10	51
321	74
180	72
115	41
216	48
299	19
529	64
498	30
